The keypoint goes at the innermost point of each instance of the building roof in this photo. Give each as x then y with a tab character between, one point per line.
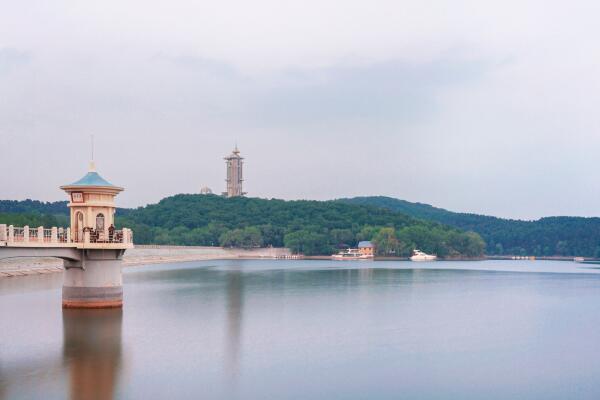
234	154
92	178
365	243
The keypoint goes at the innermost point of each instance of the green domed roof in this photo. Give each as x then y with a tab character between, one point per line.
92	178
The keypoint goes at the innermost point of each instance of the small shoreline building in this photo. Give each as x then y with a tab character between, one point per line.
365	248
235	176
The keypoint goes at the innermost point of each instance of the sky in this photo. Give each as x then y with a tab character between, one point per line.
477	106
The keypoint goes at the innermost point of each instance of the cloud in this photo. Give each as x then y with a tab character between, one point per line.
468	106
393	91
11	58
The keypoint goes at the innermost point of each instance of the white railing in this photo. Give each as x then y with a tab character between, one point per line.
124	235
14	234
18	234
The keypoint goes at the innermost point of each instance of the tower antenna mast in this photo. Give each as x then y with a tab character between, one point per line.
92	163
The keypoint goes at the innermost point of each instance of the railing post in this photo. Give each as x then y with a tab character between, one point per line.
86	237
11	233
68	235
26	233
3	233
54	235
40	234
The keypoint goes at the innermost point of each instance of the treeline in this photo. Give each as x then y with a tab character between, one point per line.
33	219
33	207
321	227
551	236
308	227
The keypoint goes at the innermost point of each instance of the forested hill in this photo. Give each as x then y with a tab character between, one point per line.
309	227
33	206
321	227
566	236
34	213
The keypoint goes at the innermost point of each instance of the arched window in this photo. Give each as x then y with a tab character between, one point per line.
100	222
78	227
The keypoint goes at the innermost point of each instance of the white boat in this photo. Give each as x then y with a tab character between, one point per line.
418	255
351	254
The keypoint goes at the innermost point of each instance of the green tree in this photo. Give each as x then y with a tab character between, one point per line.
307	242
385	242
341	237
248	237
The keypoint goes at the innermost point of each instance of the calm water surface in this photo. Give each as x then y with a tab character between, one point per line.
311	330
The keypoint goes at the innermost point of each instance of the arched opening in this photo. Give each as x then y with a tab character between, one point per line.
78	226
100	222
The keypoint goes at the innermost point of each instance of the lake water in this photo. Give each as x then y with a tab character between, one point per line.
311	330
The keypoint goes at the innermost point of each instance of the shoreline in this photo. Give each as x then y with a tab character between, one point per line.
143	255
158	254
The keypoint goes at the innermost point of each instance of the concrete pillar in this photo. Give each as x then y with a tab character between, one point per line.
86	237
26	233
11	233
96	283
68	235
3	233
40	235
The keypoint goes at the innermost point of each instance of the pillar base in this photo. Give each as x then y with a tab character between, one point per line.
92	297
97	282
99	304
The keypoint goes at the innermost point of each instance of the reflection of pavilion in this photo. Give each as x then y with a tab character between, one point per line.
92	351
90	365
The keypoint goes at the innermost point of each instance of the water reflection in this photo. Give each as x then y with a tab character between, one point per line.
235	305
92	352
319	330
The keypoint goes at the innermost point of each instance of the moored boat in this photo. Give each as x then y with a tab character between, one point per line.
418	255
351	254
583	260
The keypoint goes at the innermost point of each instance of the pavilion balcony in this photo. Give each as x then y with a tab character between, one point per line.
62	237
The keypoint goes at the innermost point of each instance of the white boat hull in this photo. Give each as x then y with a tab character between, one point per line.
418	255
337	257
422	259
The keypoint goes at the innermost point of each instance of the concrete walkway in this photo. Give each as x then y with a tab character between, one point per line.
141	255
29	266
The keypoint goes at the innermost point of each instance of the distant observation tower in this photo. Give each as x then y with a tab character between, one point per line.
235	178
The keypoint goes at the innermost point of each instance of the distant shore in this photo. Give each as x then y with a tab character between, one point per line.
158	254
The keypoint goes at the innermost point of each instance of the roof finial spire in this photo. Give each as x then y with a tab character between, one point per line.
92	163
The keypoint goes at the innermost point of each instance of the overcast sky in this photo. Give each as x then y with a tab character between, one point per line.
477	106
